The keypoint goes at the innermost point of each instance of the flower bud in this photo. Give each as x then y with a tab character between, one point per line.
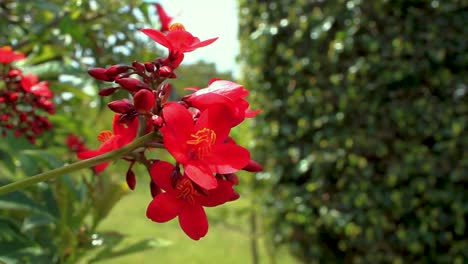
131	179
100	74
165	92
166	72
13	97
117	69
157	121
140	67
107	91
149	67
132	84
144	101
120	106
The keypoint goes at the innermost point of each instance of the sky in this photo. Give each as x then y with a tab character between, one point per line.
207	19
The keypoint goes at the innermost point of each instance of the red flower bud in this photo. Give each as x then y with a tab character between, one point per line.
107	91
132	84
144	101
139	67
23	116
117	69
166	72
149	67
165	92
120	106
100	74
13	97
157	121
131	179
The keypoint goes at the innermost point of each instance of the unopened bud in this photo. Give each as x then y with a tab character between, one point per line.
131	179
13	97
149	66
117	69
166	72
120	106
100	74
144	101
157	121
140	67
165	92
131	84
107	91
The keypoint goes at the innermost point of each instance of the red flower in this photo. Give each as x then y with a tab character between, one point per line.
30	83
200	146
184	200
177	40
223	92
75	143
7	55
123	134
163	17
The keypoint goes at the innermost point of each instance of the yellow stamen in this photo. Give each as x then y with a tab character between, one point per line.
176	26
203	140
104	135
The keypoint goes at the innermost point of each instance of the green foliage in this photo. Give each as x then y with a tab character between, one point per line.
364	130
56	222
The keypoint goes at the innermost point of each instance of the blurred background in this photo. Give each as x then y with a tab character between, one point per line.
363	134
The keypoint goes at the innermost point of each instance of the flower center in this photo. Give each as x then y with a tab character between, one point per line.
203	140
176	26
104	135
186	191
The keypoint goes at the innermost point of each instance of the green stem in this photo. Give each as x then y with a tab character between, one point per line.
14	186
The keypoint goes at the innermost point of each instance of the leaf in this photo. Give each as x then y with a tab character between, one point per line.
20	202
108	253
7	160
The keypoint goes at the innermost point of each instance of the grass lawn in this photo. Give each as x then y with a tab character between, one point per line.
221	245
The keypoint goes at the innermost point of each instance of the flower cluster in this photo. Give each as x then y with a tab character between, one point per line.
24	100
194	130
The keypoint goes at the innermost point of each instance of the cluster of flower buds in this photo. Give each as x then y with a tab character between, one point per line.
194	130
24	101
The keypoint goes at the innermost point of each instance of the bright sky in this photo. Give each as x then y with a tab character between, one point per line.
207	19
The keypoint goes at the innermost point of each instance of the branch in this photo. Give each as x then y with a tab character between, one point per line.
113	155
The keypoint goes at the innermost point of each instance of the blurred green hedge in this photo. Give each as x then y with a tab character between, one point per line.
364	130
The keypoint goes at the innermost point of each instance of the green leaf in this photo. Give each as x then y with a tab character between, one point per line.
18	201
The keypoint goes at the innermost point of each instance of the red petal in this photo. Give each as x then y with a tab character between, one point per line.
101	167
126	131
177	148
178	120
163	17
193	221
181	40
161	172
201	175
88	154
223	193
219	119
200	44
157	36
228	158
164	207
